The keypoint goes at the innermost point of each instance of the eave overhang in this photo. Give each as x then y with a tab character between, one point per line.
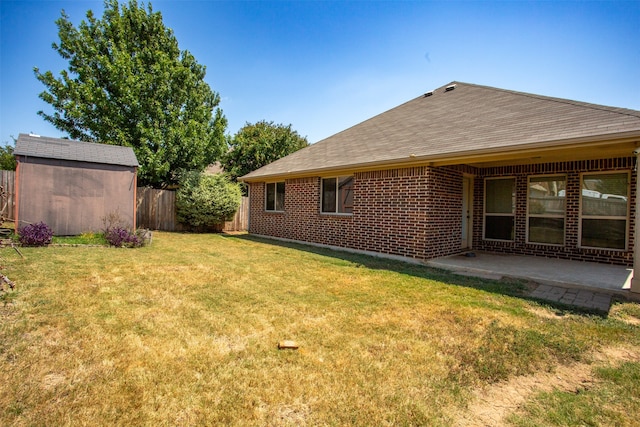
584	148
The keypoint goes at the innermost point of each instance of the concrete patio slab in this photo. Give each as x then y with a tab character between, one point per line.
582	284
557	272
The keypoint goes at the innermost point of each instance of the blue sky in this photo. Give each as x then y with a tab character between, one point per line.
325	66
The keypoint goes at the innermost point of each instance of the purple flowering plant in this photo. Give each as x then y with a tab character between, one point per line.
38	234
122	237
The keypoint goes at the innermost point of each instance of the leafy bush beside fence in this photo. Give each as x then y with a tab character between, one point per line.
206	200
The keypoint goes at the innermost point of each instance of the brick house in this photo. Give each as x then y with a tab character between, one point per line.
463	167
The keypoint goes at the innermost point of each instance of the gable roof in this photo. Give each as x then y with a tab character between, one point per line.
67	149
457	120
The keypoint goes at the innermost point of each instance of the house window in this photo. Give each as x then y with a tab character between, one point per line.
337	195
546	210
275	197
499	208
604	210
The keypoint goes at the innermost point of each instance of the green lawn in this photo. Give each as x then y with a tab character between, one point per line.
185	332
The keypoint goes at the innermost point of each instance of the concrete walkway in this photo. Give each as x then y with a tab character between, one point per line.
583	284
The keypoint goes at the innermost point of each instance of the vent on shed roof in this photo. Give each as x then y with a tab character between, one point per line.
450	88
428	93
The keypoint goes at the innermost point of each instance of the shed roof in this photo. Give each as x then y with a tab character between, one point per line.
455	120
67	149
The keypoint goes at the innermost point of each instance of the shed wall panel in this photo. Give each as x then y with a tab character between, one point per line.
74	197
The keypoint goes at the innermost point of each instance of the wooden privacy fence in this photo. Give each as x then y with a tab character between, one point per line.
7	194
156	210
240	221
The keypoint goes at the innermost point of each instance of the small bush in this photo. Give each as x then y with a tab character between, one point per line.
122	237
117	234
38	234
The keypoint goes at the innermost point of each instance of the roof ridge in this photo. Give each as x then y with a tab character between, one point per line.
44	138
617	110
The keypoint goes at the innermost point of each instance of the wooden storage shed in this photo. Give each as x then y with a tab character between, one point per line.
72	185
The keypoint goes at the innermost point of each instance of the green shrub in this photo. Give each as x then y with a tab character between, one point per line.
206	200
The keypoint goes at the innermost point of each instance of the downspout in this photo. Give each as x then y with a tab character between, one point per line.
635	280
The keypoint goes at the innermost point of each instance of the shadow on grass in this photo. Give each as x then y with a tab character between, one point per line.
519	288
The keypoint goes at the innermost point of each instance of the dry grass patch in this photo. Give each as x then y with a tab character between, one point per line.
628	313
184	333
492	404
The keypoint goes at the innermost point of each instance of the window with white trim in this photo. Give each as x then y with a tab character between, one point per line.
337	195
275	197
499	208
546	209
604	210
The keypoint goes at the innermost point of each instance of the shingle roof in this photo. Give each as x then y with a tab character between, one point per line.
66	149
467	119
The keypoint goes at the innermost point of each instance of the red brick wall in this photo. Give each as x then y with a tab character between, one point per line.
570	250
417	212
392	213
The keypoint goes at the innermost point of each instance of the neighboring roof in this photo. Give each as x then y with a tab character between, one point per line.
67	149
214	169
455	120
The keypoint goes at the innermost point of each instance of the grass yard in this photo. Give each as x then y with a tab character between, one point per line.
185	333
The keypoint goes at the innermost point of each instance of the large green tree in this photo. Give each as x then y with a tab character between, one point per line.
129	84
259	144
